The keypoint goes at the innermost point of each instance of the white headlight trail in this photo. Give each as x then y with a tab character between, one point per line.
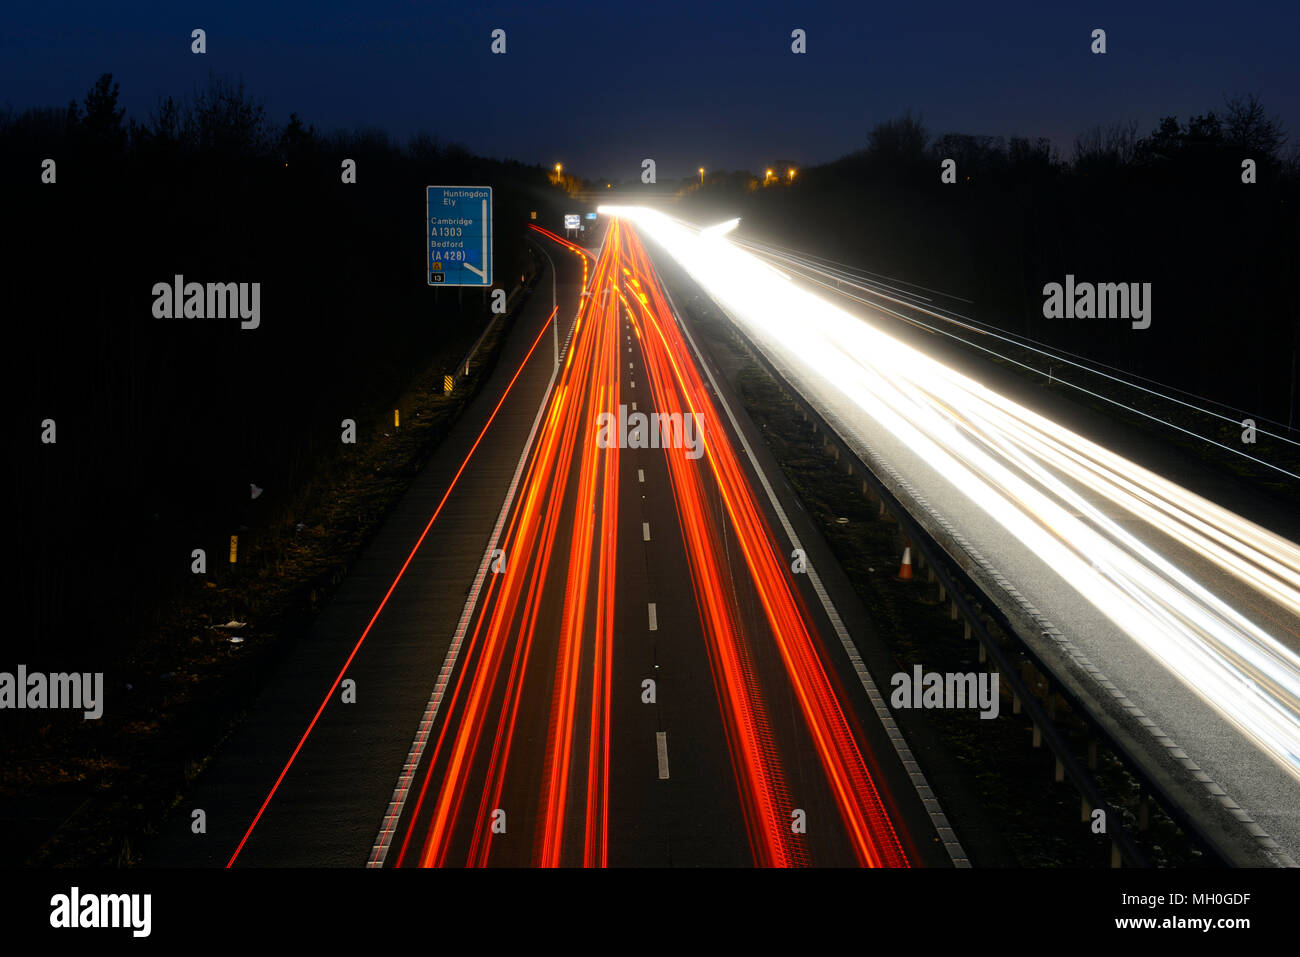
1041	483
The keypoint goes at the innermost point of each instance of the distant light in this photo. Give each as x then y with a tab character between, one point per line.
558	167
720	229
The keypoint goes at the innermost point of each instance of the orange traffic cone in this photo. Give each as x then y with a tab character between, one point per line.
905	570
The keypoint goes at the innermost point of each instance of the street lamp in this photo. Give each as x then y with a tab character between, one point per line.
792	174
701	175
558	167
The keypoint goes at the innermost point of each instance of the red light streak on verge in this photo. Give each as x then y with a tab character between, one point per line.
391	588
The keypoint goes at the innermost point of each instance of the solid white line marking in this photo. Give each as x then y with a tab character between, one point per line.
919	782
654	618
645	531
640	475
389	824
379	852
661	746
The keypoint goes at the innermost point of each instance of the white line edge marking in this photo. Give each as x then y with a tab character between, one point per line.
393	815
917	777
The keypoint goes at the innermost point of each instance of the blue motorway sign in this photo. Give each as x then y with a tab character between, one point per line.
459	221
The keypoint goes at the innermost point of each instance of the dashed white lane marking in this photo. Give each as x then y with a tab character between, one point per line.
640	475
654	618
633	406
661	746
645	531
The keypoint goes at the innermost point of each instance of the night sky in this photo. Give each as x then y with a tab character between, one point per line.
599	87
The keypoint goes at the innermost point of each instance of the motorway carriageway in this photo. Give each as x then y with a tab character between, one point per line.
1178	619
642	680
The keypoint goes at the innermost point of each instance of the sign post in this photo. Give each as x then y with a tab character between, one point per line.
458	223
